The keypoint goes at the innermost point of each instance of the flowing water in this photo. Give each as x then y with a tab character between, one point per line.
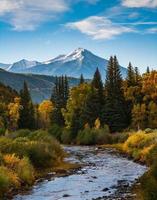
104	175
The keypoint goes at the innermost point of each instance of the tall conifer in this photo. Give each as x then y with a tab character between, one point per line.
26	114
81	79
95	101
115	107
130	76
59	97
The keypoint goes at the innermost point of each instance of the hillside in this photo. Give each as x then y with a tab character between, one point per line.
7	94
40	86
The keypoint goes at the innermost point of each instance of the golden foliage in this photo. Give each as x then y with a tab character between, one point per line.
97	123
45	109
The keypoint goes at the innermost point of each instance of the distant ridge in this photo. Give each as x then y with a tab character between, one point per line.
80	61
40	86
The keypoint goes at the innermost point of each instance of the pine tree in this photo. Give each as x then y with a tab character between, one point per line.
26	114
76	124
137	76
95	101
59	98
66	90
148	70
130	76
92	109
81	79
115	114
98	85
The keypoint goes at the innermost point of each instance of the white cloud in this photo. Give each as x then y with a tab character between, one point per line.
28	14
99	27
140	3
152	30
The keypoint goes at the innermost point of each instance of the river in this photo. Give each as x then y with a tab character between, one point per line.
105	175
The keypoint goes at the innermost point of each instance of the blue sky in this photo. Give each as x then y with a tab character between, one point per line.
42	29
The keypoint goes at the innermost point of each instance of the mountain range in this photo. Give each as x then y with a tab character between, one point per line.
40	76
80	61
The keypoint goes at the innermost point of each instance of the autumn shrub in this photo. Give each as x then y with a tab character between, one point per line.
25	171
22	167
40	147
24	154
138	141
8	178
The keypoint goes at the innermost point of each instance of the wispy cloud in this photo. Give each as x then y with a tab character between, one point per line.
99	27
140	3
27	15
152	30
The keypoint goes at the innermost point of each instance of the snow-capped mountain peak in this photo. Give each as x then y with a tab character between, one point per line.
80	61
22	65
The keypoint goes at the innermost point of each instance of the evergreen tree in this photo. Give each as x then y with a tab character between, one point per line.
95	101
115	114
76	124
66	90
26	113
130	76
81	79
59	98
97	84
148	70
137	76
92	109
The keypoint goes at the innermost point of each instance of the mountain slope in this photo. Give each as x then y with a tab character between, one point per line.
81	61
40	86
4	66
22	65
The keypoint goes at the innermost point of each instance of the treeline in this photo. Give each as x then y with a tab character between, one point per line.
114	103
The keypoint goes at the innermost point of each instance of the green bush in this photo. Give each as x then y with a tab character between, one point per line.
23	152
86	137
4	182
25	171
151	157
148	186
4	144
20	133
66	137
122	137
2	131
148	130
94	136
102	137
55	131
40	147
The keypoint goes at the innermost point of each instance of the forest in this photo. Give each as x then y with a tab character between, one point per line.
120	113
